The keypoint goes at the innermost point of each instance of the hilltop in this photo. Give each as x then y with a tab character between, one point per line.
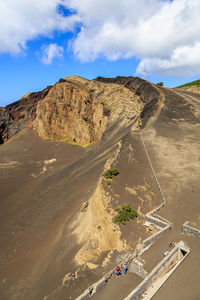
193	83
193	86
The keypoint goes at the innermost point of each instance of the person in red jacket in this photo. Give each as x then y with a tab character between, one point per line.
117	271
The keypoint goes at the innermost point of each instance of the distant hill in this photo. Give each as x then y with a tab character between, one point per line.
193	83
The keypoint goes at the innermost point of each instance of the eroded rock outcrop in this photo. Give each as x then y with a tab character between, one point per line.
95	229
150	95
80	110
69	111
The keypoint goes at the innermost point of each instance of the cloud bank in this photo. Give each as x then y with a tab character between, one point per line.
163	34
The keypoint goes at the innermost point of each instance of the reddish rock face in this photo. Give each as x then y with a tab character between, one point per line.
7	127
19	114
24	110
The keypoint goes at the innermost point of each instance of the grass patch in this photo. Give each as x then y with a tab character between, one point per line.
125	213
111	172
193	83
108	182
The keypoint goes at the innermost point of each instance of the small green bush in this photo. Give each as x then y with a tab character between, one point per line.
109	174
125	213
108	182
115	172
160	83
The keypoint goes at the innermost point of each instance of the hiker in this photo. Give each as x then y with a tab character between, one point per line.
90	291
125	269
166	253
171	245
117	271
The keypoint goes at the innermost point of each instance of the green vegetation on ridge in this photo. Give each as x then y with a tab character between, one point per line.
109	174
193	83
125	213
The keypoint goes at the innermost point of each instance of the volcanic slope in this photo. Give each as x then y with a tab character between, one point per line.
56	208
173	144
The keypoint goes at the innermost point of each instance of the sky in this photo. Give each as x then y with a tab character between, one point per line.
42	41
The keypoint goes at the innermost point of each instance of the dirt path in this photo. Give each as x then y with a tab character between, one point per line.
118	287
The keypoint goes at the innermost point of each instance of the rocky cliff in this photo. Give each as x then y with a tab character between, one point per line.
80	110
7	127
19	114
70	112
150	95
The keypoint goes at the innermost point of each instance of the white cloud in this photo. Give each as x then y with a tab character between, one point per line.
163	34
23	20
184	62
51	51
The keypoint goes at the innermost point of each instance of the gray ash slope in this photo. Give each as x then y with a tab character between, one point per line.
44	184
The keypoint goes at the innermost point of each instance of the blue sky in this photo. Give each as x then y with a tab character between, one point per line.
43	41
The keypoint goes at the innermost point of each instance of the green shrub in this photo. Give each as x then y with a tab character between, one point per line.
108	182
160	83
125	213
109	174
115	172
